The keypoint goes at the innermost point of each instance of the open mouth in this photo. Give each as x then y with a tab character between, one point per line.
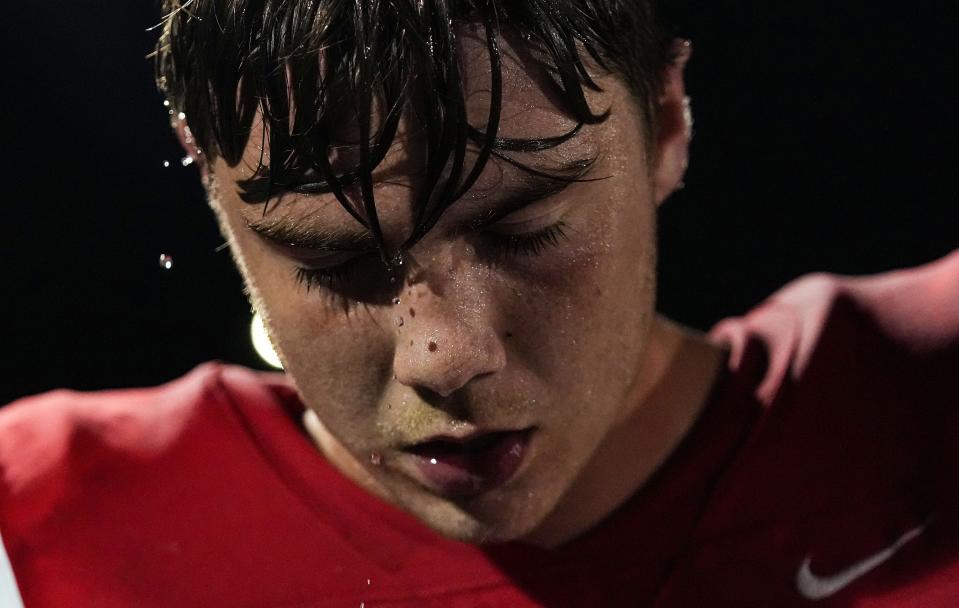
467	467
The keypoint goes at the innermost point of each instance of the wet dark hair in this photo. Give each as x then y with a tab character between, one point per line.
311	65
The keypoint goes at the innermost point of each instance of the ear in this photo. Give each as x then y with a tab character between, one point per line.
183	133
674	128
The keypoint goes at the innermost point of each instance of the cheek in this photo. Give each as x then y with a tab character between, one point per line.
581	325
340	362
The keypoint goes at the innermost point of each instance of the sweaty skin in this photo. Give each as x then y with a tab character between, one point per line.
565	341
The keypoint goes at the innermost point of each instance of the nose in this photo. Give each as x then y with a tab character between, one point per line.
444	344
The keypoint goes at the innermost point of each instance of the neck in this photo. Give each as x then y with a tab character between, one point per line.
670	392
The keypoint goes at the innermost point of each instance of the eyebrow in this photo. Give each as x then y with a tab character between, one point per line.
534	185
331	240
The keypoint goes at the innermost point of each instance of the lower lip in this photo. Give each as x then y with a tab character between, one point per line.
470	473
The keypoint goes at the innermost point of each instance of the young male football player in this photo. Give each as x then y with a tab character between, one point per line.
445	212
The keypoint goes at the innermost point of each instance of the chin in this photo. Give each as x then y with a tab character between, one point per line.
490	518
466	529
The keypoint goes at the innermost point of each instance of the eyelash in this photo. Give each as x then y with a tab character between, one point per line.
502	247
506	246
327	278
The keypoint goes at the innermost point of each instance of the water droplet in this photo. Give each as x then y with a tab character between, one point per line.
166	261
181	116
186	161
396	301
399	321
166	103
367	581
166	163
375	459
432	461
431	346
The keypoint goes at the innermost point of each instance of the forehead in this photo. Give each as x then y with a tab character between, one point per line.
531	108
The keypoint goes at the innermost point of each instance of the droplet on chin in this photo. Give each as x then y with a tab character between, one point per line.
166	261
375	459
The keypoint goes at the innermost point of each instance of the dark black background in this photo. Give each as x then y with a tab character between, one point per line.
825	140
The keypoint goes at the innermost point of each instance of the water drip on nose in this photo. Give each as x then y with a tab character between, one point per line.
375	459
166	261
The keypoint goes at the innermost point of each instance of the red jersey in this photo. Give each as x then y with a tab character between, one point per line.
823	468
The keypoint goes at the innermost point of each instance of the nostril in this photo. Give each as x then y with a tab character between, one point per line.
427	394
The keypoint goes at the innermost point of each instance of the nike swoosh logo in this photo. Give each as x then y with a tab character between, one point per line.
814	587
